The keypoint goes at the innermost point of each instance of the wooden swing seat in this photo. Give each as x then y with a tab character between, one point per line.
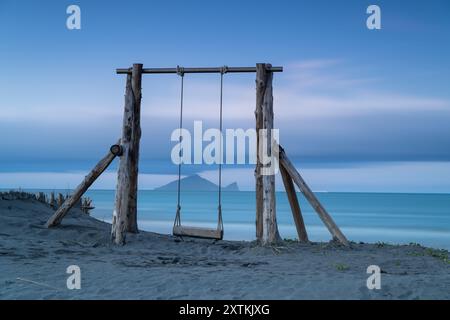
198	232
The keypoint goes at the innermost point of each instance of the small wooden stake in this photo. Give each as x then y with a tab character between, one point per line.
41	197
295	207
125	211
80	190
309	195
60	200
52	200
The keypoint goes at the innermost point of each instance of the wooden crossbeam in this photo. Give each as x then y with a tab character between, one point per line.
224	69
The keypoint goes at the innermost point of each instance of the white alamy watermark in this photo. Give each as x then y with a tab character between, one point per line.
73	21
374	20
240	146
374	280
74	280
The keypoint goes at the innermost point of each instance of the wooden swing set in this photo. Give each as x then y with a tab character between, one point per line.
127	149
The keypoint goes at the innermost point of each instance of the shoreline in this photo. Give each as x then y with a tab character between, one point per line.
249	191
369	218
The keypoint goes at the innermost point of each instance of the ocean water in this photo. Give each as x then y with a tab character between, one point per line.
395	218
366	217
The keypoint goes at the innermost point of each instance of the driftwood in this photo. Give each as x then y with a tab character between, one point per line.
80	190
125	211
266	221
41	197
60	200
295	206
309	195
18	195
86	205
52	201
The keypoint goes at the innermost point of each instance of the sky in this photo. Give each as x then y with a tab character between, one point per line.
357	109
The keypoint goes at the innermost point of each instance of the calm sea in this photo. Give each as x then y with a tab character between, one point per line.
368	217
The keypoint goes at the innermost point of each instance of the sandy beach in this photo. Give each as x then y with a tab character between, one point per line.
33	263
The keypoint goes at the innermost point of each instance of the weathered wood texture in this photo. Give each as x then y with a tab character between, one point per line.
309	195
258	176
52	201
80	190
86	205
125	212
295	206
198	232
266	222
41	197
60	200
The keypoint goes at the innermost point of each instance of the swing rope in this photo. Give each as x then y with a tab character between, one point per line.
177	222
219	209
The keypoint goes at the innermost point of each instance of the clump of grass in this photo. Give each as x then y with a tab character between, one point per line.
415	244
438	254
341	267
416	254
381	244
435	253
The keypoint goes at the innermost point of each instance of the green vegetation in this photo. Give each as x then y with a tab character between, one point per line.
439	254
381	244
435	253
415	244
341	267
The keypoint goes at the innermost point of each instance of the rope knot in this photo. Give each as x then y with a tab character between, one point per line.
224	69
180	71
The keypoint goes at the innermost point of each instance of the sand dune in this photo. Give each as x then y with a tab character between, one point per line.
33	262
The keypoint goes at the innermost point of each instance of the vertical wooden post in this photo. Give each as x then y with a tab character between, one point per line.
266	222
258	177
295	206
52	201
125	212
60	200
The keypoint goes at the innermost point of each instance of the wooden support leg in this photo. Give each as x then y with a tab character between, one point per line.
309	195
258	176
266	221
125	212
295	207
81	189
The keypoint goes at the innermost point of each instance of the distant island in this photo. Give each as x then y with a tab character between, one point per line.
196	183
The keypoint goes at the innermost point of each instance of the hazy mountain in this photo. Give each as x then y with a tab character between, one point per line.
196	183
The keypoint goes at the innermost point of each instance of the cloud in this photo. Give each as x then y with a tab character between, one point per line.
322	108
69	180
306	88
314	64
362	177
297	104
430	177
